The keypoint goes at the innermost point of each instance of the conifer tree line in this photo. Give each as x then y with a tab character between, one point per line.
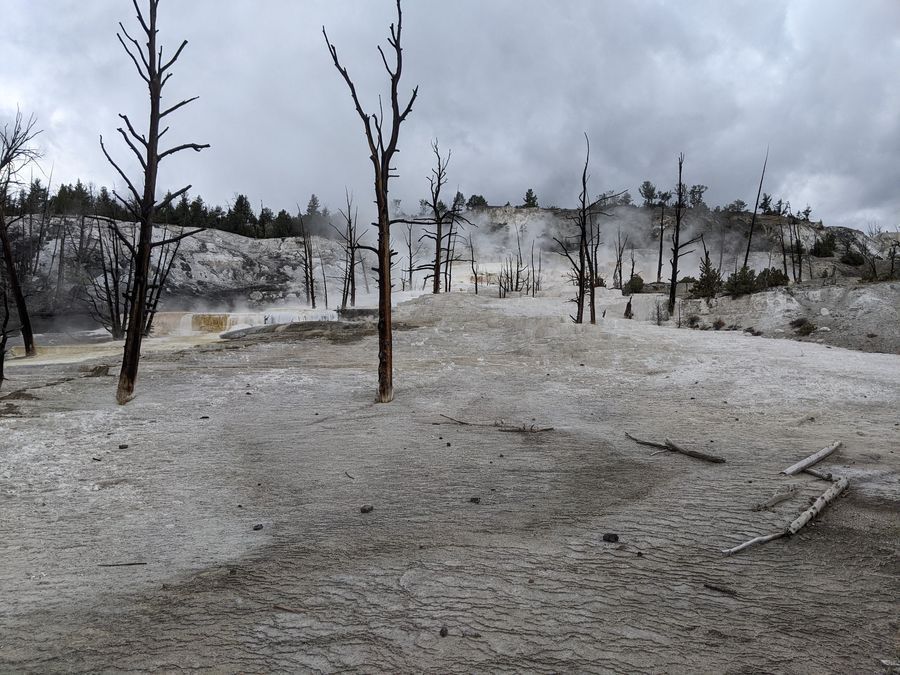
239	217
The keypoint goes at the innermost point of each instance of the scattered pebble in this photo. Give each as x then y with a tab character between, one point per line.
96	459
610	537
475	500
240	506
366	508
204	417
123	446
258	526
444	632
448	445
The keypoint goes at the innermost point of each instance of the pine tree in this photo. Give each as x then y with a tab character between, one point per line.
710	281
531	200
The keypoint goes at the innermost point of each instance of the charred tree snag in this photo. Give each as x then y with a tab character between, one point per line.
382	141
154	70
15	153
677	245
756	208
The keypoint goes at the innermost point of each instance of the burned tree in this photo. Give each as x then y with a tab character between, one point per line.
439	214
307	263
350	244
677	244
756	208
16	152
578	261
109	295
664	198
142	205
382	142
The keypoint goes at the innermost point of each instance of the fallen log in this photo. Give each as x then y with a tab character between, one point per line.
819	505
812	459
800	522
715	459
754	542
821	474
652	444
781	495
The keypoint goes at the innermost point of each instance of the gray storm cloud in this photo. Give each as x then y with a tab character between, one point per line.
509	86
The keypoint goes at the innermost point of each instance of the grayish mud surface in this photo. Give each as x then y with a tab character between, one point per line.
523	580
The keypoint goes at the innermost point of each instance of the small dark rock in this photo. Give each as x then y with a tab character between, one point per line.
240	506
448	445
123	446
96	459
258	526
501	454
444	632
531	581
204	417
640	555
366	508
610	537
249	393
475	500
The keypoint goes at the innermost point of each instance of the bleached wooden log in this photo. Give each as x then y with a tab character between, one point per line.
781	495
821	474
694	453
812	459
754	542
819	505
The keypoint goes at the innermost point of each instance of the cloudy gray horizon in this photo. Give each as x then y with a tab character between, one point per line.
509	86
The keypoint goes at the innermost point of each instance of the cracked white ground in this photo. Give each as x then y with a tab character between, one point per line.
224	436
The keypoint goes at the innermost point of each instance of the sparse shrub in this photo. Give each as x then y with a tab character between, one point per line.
770	278
853	258
741	282
634	285
688	280
693	321
803	326
662	313
824	247
718	324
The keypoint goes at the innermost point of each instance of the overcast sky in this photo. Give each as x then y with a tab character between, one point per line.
509	85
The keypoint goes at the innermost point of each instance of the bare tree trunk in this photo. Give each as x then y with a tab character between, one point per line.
381	152
15	287
662	212
676	235
154	71
756	208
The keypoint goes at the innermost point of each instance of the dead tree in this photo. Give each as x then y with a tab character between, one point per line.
382	143
578	262
307	263
413	248
5	331
620	254
350	244
155	72
109	295
472	261
664	198
677	244
756	208
16	152
439	213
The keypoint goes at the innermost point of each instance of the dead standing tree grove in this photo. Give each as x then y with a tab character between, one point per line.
15	153
154	71
382	148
